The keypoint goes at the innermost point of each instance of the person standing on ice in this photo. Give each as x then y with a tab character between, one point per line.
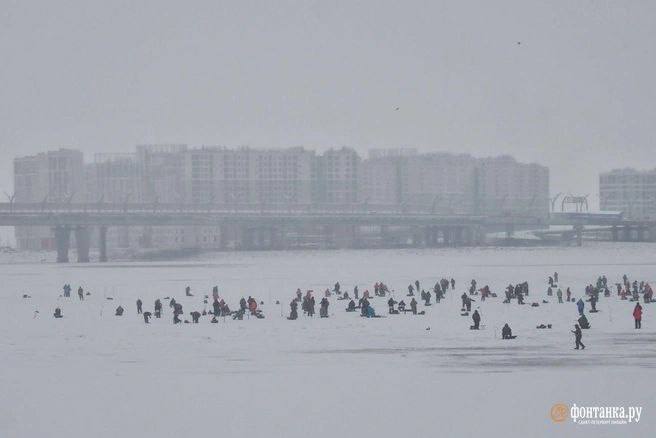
158	308
559	294
580	305
323	309
411	292
417	285
293	313
139	304
569	295
453	284
577	337
637	315
413	306
476	317
80	293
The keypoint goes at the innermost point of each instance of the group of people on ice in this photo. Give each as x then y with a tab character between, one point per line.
625	290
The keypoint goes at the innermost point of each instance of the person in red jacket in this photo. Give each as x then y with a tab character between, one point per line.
637	315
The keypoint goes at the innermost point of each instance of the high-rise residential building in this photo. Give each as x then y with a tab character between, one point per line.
161	169
504	186
441	182
53	176
336	177
630	191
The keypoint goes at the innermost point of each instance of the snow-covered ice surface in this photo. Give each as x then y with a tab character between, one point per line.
92	374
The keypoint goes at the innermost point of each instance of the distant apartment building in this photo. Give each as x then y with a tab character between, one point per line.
54	176
630	191
336	177
504	186
442	182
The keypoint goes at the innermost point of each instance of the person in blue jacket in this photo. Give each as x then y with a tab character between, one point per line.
580	305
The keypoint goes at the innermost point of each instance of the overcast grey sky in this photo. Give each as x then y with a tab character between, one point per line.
566	84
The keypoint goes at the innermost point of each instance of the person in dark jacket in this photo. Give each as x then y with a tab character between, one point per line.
311	304
476	317
577	337
158	308
580	305
411	291
293	314
195	316
119	311
323	309
58	313
506	332
188	292
390	305
80	293
351	306
139	304
216	307
413	306
146	317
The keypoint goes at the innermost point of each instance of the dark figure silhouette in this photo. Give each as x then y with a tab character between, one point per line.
58	313
293	314
577	337
158	308
195	316
506	332
146	316
188	291
413	306
80	293
323	309
119	311
139	304
476	317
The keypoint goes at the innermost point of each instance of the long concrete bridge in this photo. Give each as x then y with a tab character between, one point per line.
256	228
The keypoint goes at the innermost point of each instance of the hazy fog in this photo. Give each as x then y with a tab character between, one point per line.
566	84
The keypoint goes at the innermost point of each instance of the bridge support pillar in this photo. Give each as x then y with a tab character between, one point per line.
277	238
510	230
468	236
578	231
446	236
102	244
428	236
480	236
458	236
246	238
63	242
82	244
384	235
